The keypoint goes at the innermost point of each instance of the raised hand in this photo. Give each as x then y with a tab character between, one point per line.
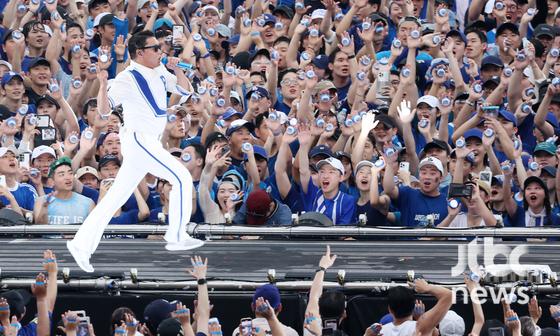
49	262
39	288
406	115
182	313
535	311
199	267
327	260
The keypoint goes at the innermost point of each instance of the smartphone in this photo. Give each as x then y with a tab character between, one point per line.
499	331
83	326
24	160
225	149
329	327
458	190
2	180
405	166
486	176
80	313
43	121
246	326
490	111
178	31
46	137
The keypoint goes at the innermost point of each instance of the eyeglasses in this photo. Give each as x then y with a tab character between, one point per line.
289	82
156	47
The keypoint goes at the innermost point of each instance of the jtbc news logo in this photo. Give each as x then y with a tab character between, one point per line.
467	261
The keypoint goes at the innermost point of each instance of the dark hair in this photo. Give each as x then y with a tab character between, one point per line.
401	301
30	25
260	119
332	55
199	150
118	316
281	39
332	305
258	73
477	31
92	102
284	72
138	41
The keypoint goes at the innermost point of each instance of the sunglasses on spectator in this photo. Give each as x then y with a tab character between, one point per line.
289	82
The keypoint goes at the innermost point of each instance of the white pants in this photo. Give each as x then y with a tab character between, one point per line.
142	153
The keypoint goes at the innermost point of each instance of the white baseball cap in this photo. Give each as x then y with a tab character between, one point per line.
430	100
318	14
7	64
141	3
4	150
431	161
452	325
38	151
87	170
235	95
364	163
99	17
333	162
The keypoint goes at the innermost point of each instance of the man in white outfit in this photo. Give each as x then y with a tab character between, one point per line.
142	90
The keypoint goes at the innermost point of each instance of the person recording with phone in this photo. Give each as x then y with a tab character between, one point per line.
20	197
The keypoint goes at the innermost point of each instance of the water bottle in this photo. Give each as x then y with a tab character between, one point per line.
76	83
92	69
329	127
310	74
197	37
339	16
55	16
526	108
520	57
76	48
436	39
246	23
366	25
488	132
474	277
460	143
32	120
246	147
442	12
221	123
397	44
389	151
345	41
313	32
508	72
186	157
453	203
293	122
324	98
171	118
221	102
201	90
290	130
73	139
423	123
11	122
499	6
255	96
214	92
274	55
22	8
379	29
516	144
477	88
348	123
54	87
278	26
356	119
379	163
211	32
530	92
234	197
89	34
305	22
261	22
505	167
272	117
16	35
440	72
556	81
304	56
415	34
103	57
320	123
365	61
361	76
405	72
555	52
445	102
299	6
34	172
533	166
531	11
22	110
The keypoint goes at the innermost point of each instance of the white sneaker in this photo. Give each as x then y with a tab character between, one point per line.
81	259
183	245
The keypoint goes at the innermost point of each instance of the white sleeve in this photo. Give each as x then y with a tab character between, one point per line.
119	88
170	79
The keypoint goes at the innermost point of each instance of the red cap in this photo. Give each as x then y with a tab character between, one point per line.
258	205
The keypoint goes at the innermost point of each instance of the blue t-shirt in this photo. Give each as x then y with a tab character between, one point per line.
518	219
341	209
126	217
24	194
69	211
415	206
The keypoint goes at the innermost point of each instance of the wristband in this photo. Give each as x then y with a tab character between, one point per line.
182	311
512	319
321	268
201	281
47	261
4	308
39	283
205	55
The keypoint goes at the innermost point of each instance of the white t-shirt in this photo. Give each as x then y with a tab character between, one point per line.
460	221
407	328
262	323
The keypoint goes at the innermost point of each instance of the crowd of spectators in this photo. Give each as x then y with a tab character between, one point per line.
404	112
325	312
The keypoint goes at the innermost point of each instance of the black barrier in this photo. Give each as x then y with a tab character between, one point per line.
362	310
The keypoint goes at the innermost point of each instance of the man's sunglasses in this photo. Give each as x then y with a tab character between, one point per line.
154	47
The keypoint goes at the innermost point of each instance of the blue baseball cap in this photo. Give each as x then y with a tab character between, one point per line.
473	133
239	124
259	151
551	118
259	90
507	115
234	39
388	318
162	22
321	61
230	112
320	150
491	60
8	76
269	18
270	293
